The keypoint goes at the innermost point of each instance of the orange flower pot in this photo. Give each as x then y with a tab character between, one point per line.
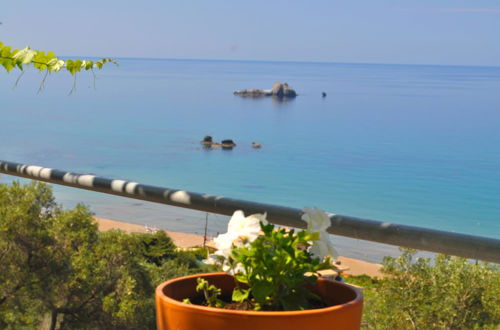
171	313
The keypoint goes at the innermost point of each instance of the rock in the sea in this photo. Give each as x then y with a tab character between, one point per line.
256	145
279	90
227	143
207	140
252	93
282	90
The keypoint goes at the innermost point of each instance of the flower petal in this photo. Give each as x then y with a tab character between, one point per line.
318	221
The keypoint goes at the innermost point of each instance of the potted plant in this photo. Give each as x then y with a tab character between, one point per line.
271	281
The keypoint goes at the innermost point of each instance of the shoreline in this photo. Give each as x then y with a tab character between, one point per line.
186	240
182	220
182	240
133	215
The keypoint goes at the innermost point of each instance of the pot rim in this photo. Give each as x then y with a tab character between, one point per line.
161	295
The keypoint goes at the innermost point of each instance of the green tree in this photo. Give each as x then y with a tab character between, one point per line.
23	247
156	248
60	272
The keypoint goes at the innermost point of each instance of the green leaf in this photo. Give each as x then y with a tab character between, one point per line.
8	65
6	51
89	65
240	295
70	64
242	278
77	66
261	290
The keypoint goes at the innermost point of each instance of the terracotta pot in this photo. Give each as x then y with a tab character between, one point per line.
172	314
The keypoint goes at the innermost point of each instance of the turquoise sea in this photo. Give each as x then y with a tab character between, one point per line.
410	144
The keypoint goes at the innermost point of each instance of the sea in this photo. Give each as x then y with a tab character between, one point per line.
408	144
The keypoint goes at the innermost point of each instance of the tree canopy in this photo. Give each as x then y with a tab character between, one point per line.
60	272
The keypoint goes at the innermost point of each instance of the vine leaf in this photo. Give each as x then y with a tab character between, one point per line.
45	61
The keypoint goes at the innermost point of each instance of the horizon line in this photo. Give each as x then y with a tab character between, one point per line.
284	61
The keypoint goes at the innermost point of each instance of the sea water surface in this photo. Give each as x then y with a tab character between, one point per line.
410	144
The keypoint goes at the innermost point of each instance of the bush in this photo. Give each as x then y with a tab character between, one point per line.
449	293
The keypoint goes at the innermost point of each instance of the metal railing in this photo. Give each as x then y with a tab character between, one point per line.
468	246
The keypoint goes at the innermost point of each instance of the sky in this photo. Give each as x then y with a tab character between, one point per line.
442	32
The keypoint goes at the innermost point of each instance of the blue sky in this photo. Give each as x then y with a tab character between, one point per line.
453	32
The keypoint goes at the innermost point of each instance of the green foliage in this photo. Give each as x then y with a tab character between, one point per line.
274	265
199	252
156	248
369	284
59	271
449	293
45	61
210	292
23	246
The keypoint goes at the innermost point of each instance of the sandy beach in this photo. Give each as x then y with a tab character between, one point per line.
183	220
185	240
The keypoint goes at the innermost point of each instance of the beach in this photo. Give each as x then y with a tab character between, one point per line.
182	220
182	240
185	240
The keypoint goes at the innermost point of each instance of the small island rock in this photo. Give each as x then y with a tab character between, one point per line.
207	140
279	90
256	145
282	90
228	143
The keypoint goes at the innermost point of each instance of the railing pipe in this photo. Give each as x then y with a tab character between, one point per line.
468	246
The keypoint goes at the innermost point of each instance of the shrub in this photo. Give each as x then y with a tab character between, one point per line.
448	293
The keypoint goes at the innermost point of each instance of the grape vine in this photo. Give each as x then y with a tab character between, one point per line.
46	62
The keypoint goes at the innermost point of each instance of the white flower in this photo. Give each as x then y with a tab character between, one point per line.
223	243
241	231
235	269
318	221
248	227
